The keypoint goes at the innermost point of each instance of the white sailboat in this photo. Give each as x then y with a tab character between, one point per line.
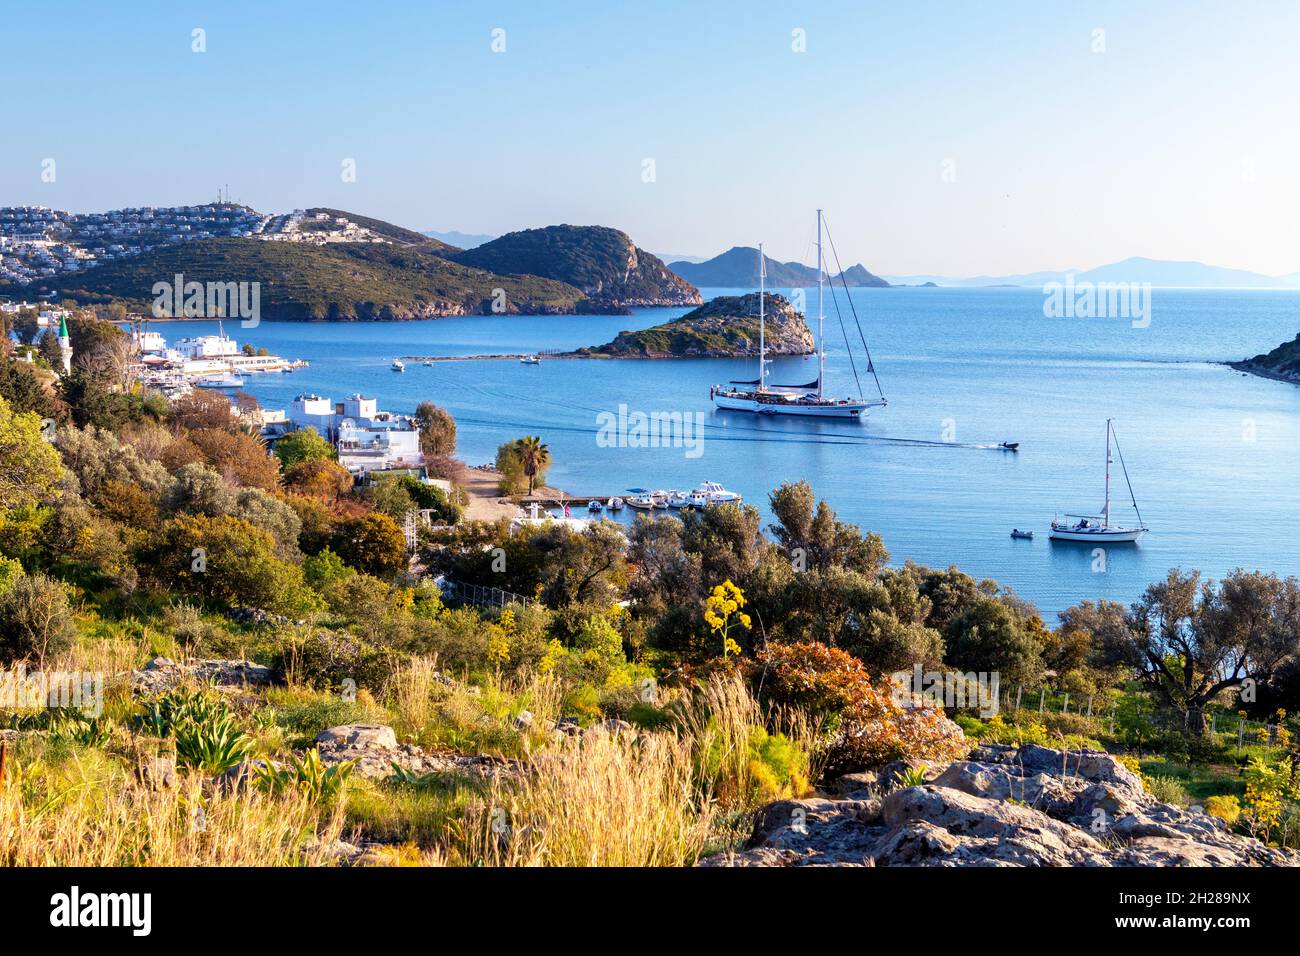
807	400
1098	528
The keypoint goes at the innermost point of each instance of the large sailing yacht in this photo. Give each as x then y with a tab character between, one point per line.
1098	527
808	399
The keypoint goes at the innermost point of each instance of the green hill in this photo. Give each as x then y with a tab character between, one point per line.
337	282
603	262
725	327
398	234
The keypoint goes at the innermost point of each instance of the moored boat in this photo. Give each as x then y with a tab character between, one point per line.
1097	529
398	365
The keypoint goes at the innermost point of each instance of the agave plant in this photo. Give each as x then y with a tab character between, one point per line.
912	777
307	774
213	747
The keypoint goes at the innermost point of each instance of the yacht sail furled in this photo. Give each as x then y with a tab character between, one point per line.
808	399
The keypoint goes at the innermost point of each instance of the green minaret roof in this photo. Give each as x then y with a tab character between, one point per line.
63	327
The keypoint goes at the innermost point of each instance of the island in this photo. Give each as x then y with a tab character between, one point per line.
724	327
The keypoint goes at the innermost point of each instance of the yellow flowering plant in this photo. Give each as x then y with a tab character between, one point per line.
722	612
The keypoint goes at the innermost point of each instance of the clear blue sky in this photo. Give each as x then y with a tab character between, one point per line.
1179	141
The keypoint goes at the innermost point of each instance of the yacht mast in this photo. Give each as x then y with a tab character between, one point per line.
762	341
821	315
1105	513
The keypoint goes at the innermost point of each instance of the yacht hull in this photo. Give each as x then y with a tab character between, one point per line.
1099	535
844	410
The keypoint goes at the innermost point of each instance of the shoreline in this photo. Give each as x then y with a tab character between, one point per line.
1250	368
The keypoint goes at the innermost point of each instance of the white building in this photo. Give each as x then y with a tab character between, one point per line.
367	439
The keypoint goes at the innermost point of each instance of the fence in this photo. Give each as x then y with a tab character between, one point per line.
1218	724
479	595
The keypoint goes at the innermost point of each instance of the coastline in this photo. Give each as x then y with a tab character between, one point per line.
1250	368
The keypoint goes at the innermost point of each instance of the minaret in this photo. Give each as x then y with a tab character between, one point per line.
65	346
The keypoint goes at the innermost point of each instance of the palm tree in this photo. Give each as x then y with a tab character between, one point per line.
534	457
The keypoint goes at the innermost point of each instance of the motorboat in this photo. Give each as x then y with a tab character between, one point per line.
531	360
398	365
1009	445
614	504
1023	535
228	380
594	506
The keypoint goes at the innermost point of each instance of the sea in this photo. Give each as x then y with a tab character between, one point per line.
1212	455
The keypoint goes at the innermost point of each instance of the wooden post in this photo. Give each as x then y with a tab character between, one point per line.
1089	706
1112	719
1065	708
1241	730
1019	688
1042	697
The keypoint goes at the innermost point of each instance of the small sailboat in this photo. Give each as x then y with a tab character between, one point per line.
1098	528
398	365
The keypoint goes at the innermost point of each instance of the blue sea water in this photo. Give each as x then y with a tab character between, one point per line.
1214	456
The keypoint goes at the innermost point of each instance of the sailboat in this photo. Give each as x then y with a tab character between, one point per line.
808	399
1098	528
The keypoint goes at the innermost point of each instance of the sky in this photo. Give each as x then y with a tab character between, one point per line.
953	138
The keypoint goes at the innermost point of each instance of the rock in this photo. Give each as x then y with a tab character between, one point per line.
161	674
158	773
374	750
860	785
1004	806
523	720
568	726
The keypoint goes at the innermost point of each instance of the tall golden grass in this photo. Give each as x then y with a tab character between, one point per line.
600	800
91	811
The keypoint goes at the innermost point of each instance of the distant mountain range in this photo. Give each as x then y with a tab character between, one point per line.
738	268
1158	272
463	240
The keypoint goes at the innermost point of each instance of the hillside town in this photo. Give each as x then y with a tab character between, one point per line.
40	243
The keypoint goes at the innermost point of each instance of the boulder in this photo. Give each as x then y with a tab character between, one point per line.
1003	806
373	749
161	674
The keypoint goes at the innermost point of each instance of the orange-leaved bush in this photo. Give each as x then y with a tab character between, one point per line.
865	725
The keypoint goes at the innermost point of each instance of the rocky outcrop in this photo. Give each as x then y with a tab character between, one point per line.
1004	806
161	674
1283	363
725	327
375	750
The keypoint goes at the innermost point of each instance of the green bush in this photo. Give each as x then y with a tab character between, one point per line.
1168	790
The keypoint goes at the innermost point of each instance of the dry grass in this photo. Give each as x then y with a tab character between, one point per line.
599	800
88	809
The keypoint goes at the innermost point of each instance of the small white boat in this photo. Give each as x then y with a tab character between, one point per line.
614	504
594	506
398	365
644	500
1097	529
530	360
428	363
1023	535
229	380
678	499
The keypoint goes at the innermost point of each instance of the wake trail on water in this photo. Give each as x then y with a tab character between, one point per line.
764	435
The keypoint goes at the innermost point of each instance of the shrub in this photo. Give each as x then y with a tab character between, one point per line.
1226	808
1168	790
326	659
35	619
866	725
